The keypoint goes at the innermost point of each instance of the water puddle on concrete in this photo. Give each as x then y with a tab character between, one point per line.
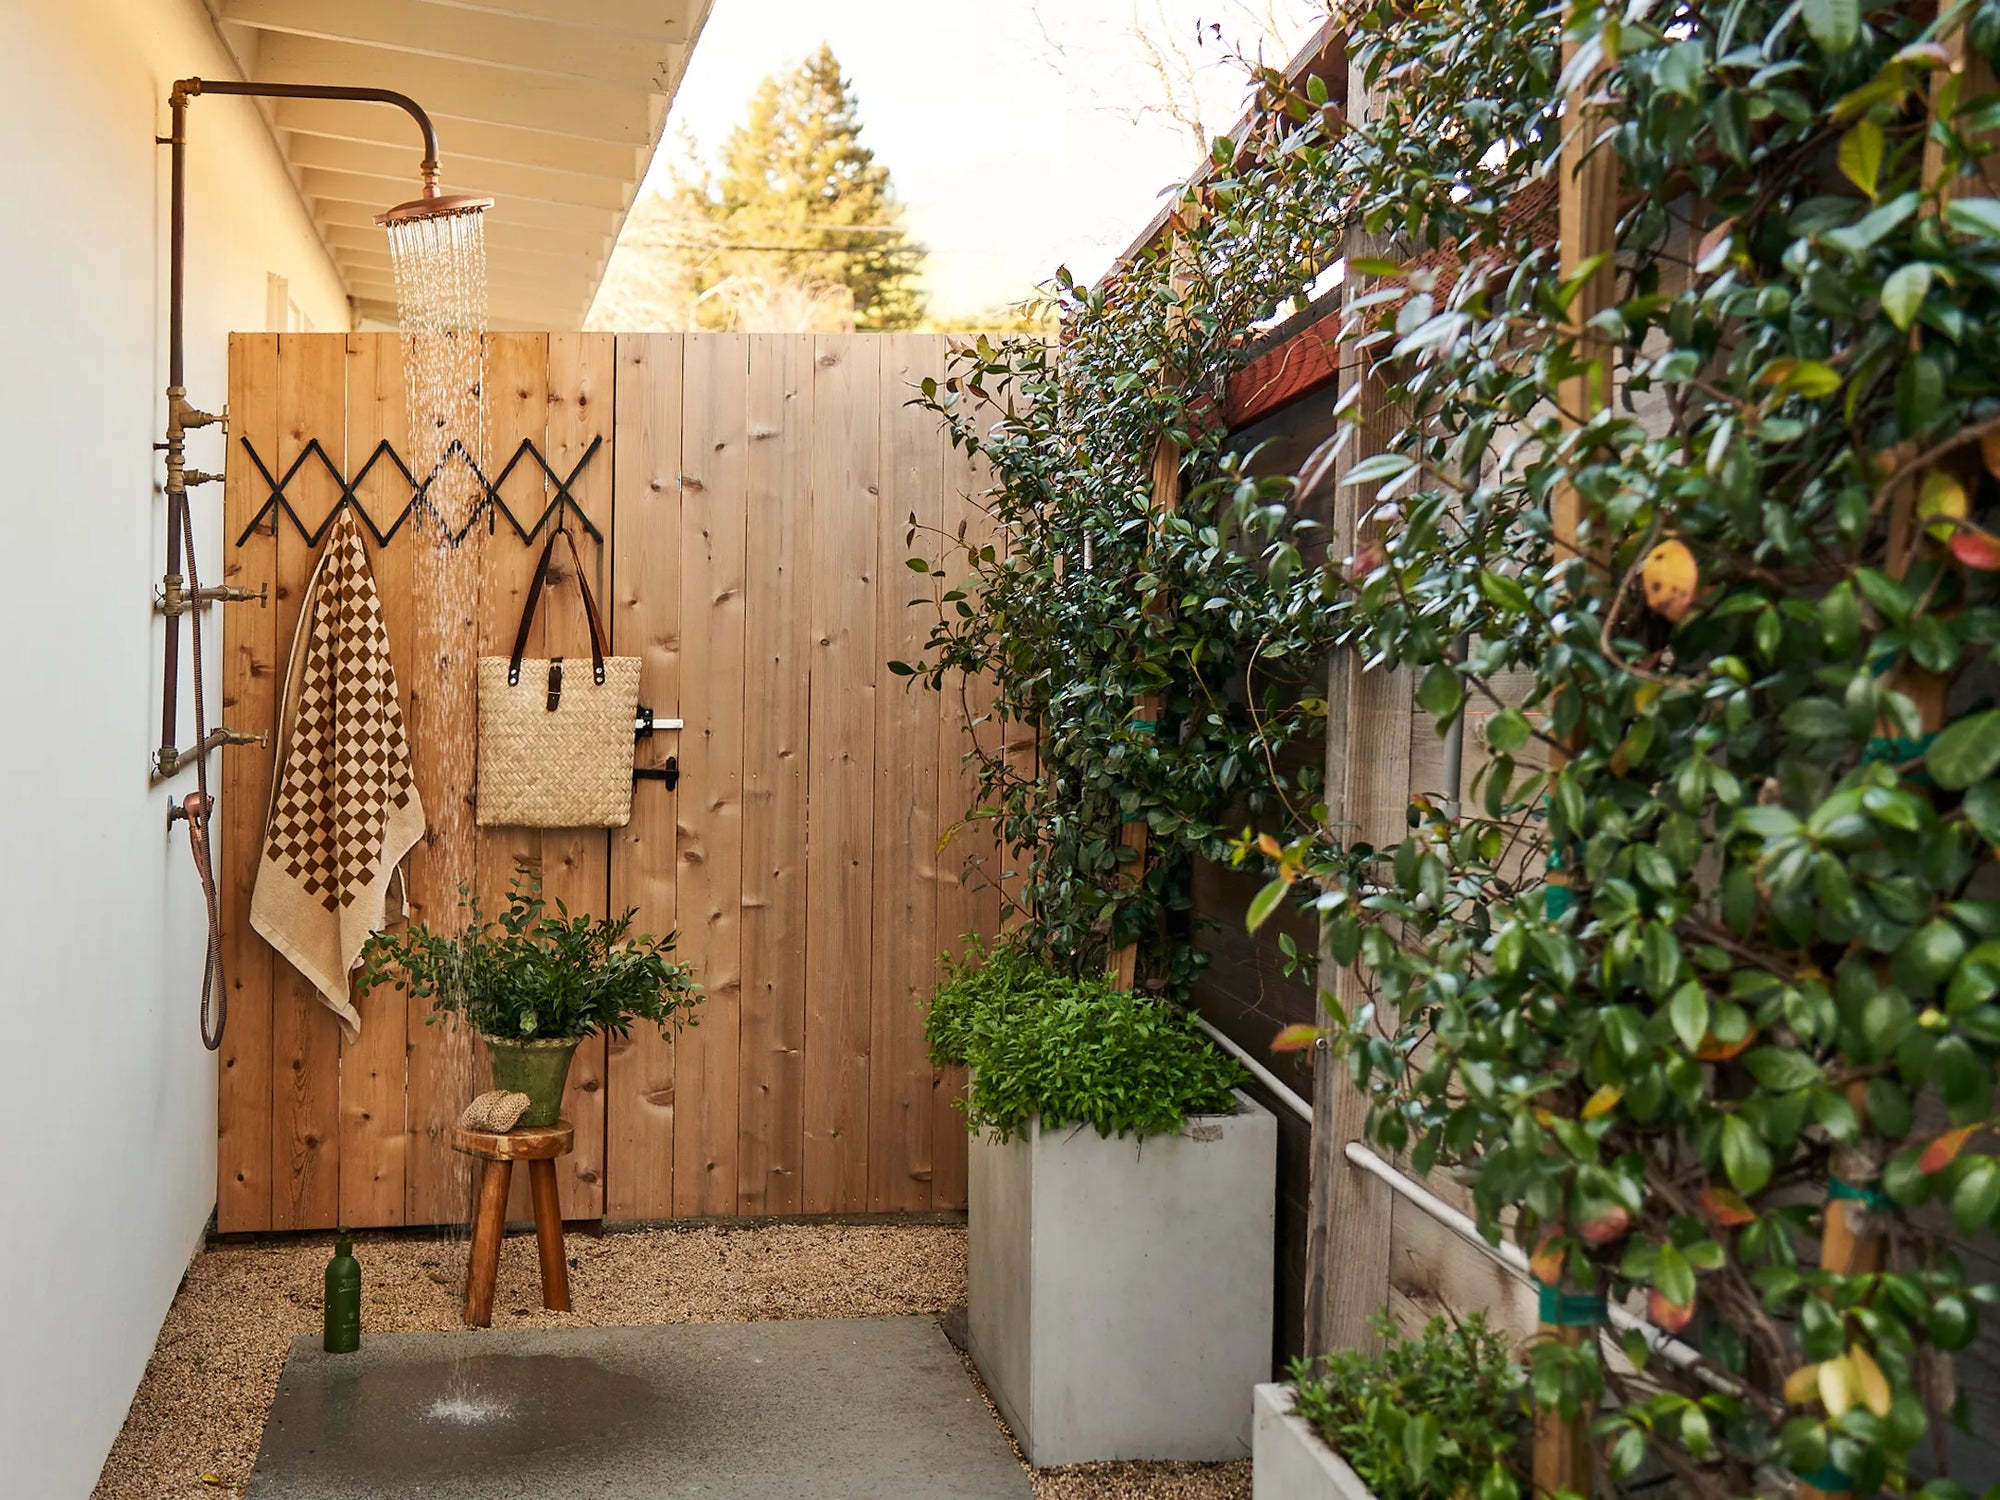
432	1418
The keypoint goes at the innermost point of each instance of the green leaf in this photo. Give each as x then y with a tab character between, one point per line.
1967	751
1979	217
1861	155
1745	1157
1265	902
1441	692
1780	1069
1673	1275
1507	731
1381	467
1503	592
1420	1444
1834	24
1767	822
1810	378
1688	1013
1904	292
1982	810
1977	1195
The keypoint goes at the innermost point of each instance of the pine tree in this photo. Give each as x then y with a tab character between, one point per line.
800	212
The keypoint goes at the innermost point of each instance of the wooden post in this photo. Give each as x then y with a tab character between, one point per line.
1164	500
1587	229
1367	794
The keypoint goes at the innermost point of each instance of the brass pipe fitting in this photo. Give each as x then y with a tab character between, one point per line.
168	761
175	599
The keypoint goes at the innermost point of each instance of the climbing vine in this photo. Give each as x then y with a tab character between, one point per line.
1699	991
1167	654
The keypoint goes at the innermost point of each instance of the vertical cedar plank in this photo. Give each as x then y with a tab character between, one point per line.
438	672
969	858
906	777
645	622
243	1156
517	407
715	478
777	701
841	773
305	1037
576	862
373	1071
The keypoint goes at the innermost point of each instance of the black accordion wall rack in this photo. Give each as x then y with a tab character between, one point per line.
490	509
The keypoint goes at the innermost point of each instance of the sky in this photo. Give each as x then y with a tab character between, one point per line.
1020	135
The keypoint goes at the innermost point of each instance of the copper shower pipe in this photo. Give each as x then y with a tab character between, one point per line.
181	417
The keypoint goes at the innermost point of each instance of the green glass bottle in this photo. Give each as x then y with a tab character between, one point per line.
343	1299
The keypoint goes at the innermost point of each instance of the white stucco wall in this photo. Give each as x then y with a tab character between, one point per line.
107	1175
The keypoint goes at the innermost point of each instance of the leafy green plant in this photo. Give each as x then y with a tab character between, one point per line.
533	975
1712	943
1433	1418
1043	1043
1712	953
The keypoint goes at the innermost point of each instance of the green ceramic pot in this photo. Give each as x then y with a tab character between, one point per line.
537	1069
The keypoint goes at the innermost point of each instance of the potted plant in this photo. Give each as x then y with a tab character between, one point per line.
1437	1416
1121	1207
534	984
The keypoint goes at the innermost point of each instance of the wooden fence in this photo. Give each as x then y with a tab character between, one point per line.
753	493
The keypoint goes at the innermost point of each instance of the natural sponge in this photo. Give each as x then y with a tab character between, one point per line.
498	1111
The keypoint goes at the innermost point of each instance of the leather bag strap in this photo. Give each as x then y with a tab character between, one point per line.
598	644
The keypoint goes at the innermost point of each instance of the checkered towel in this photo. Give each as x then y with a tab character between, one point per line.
344	805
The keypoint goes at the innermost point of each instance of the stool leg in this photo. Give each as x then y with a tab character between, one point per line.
488	1224
549	1235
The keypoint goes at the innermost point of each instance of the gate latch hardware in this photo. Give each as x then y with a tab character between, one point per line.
643	723
670	772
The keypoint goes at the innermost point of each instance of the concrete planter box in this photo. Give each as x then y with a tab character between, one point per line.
1120	1290
1291	1462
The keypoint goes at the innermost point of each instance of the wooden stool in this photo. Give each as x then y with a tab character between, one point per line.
538	1146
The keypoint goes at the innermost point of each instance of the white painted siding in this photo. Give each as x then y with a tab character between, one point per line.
108	1176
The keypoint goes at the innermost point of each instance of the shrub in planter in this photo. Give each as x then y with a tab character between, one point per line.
1042	1044
1121	1207
534	985
1436	1416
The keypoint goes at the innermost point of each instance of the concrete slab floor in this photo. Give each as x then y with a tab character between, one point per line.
878	1408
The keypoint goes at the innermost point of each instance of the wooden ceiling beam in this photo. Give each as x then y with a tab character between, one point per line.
508	208
500	234
462	140
501	273
677	21
648	65
379	193
390	166
471	91
368	239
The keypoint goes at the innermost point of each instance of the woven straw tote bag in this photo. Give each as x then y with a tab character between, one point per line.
555	743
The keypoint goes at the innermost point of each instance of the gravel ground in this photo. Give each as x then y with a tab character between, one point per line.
196	1420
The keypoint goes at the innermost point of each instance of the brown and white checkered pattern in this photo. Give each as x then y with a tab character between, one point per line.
349	765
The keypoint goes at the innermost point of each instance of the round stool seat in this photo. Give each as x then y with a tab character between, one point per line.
526	1143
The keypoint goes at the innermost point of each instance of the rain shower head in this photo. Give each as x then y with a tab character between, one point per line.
433	205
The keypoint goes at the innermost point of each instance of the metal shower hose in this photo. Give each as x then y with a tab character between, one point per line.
199	807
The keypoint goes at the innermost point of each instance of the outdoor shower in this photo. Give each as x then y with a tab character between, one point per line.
181	589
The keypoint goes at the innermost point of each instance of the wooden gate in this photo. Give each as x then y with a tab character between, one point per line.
752	493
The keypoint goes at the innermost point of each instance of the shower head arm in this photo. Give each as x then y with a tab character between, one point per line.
187	88
180	415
